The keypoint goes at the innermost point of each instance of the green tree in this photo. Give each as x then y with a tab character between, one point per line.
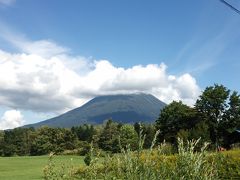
1	142
231	120
69	140
128	136
212	106
19	140
48	140
173	118
200	130
147	130
109	137
84	132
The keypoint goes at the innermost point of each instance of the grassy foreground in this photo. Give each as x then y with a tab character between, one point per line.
31	167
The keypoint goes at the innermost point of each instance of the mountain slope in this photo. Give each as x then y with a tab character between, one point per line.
122	108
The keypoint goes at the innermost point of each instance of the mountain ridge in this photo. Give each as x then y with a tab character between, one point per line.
124	108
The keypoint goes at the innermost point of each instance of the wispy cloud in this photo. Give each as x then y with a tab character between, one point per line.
7	2
202	52
43	77
44	48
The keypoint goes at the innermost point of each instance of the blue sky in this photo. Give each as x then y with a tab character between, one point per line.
195	42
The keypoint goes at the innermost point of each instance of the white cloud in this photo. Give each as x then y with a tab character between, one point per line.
29	81
62	82
43	48
107	79
11	119
43	77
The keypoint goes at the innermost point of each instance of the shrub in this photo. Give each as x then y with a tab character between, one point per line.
84	148
88	159
51	172
156	163
228	164
191	164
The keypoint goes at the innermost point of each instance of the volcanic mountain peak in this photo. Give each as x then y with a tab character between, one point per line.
125	108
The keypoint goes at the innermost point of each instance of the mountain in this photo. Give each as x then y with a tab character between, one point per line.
129	108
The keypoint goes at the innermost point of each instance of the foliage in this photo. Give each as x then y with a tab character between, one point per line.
89	156
17	142
51	172
228	165
109	137
173	118
215	118
153	164
1	142
42	141
212	105
221	110
84	132
88	159
128	136
52	140
231	121
189	162
148	130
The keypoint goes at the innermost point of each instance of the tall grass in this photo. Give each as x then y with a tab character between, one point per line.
52	172
155	163
191	164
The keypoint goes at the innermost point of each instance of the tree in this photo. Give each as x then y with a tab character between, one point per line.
173	118
212	105
17	141
56	140
128	136
1	142
84	132
150	132
147	130
109	137
231	120
200	130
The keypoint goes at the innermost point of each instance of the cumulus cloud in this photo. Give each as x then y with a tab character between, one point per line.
59	82
43	77
108	79
11	119
32	82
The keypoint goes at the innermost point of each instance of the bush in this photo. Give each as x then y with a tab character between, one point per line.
157	163
51	172
228	164
84	148
88	159
154	164
191	164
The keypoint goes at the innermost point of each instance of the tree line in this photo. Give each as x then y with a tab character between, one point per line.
215	117
109	137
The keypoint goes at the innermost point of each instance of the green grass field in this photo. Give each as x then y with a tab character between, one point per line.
31	167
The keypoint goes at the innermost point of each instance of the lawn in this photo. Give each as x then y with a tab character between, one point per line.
31	167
